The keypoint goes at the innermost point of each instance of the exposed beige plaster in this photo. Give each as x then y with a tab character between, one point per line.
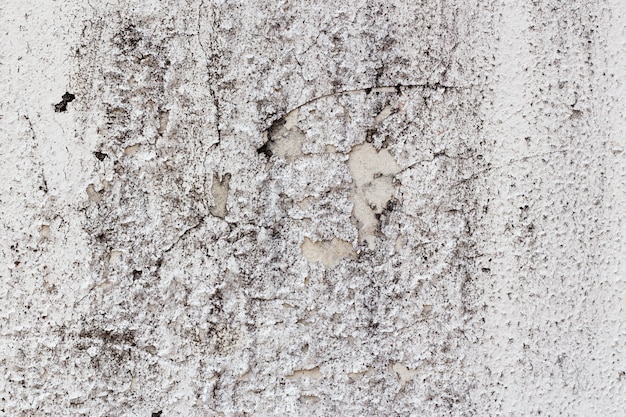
329	253
93	194
361	374
313	373
115	257
131	150
372	173
291	119
164	117
405	374
386	112
290	146
498	276
219	191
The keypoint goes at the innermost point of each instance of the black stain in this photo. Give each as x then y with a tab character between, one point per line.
62	105
68	97
157	414
124	337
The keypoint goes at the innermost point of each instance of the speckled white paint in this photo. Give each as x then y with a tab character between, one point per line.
166	273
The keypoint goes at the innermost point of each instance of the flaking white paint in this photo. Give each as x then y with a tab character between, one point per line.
188	273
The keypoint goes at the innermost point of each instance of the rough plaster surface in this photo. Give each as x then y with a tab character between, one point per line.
312	208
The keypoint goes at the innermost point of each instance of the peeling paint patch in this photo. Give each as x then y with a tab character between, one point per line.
44	231
131	150
372	173
93	194
164	117
285	139
329	253
115	257
309	399
404	374
361	374
219	191
386	112
313	373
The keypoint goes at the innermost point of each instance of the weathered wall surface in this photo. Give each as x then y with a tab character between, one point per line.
312	208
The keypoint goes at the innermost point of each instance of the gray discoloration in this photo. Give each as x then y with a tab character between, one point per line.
392	208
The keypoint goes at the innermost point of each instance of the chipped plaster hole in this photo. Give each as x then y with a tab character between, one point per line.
404	374
131	150
616	148
290	148
361	374
366	163
384	90
328	252
286	138
372	175
93	194
309	399
44	231
219	191
313	373
164	117
106	185
291	119
400	243
386	112
115	257
306	203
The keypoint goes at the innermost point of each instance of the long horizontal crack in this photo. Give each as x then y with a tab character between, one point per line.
367	90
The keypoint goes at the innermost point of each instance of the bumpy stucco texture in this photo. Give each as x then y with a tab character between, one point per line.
312	208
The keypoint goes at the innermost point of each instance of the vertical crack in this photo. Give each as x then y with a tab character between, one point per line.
211	68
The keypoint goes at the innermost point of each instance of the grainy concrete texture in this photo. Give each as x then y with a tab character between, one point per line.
312	208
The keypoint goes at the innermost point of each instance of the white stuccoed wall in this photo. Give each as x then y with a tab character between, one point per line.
312	208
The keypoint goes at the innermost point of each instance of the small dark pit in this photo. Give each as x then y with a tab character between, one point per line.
100	155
